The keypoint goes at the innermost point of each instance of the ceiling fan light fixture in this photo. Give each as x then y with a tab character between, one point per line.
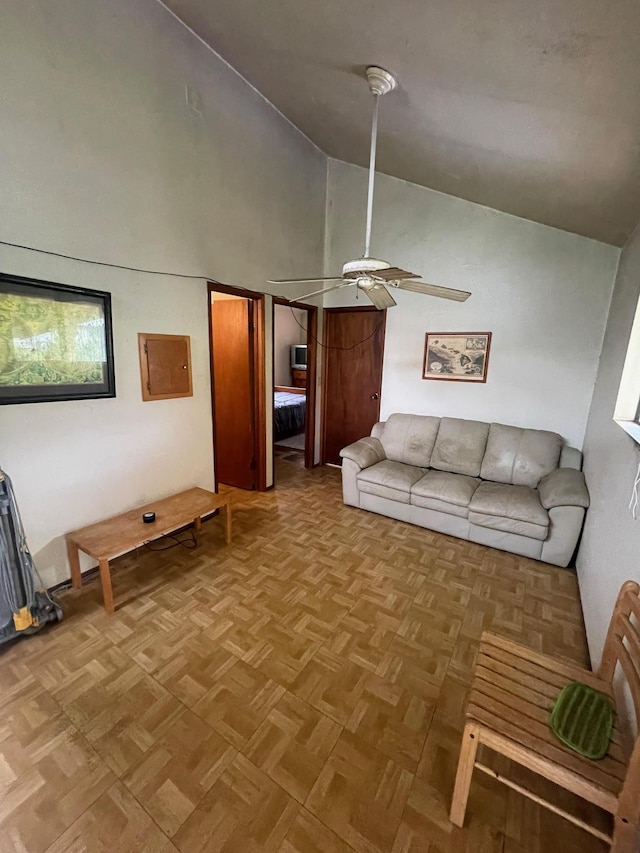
365	282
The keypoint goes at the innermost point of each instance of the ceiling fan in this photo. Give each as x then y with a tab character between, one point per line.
370	275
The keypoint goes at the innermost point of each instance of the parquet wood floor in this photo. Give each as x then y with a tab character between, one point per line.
299	690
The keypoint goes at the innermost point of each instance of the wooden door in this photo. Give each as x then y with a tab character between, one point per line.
354	347
233	393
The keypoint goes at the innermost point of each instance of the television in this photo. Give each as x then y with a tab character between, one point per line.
299	356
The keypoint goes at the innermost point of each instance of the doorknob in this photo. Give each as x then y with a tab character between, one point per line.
375	396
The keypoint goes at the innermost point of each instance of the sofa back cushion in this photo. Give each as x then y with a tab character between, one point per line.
460	446
410	438
519	456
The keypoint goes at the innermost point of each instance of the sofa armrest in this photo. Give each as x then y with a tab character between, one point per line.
570	457
563	487
365	452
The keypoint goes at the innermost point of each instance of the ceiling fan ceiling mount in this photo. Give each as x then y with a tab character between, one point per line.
381	82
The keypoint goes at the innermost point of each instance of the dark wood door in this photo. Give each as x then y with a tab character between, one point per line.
354	347
233	393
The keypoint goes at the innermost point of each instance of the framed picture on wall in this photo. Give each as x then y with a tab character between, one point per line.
56	342
456	356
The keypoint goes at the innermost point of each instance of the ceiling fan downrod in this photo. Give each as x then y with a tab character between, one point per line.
380	82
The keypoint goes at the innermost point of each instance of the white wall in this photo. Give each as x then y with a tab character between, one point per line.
103	158
289	328
610	549
543	293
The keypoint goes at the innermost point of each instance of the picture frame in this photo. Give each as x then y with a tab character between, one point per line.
56	342
456	356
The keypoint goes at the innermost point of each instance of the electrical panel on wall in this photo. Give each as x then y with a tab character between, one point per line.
165	366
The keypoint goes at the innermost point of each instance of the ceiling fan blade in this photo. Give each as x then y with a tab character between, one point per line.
302	280
394	274
324	290
433	290
380	296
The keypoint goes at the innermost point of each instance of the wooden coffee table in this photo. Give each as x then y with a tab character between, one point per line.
115	536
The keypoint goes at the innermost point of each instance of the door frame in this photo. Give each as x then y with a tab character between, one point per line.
346	309
312	372
256	308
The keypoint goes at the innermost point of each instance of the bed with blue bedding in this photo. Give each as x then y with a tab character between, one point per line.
289	411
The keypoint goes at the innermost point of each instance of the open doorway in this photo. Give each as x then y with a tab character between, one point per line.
294	378
236	329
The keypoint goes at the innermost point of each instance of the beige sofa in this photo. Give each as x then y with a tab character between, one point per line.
520	490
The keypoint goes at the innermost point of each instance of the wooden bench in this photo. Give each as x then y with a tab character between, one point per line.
108	539
508	710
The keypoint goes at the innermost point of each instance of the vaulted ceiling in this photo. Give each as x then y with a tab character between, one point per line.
527	106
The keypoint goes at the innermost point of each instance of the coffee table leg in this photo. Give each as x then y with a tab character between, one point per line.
74	564
197	524
227	523
107	591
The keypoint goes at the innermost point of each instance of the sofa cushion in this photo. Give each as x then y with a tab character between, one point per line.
444	486
520	456
391	480
460	446
509	525
440	506
410	438
511	509
518	503
444	492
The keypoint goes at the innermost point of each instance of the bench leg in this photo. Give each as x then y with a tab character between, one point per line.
623	836
107	590
74	564
466	762
197	524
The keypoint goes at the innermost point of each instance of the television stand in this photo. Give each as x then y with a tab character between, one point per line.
299	377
